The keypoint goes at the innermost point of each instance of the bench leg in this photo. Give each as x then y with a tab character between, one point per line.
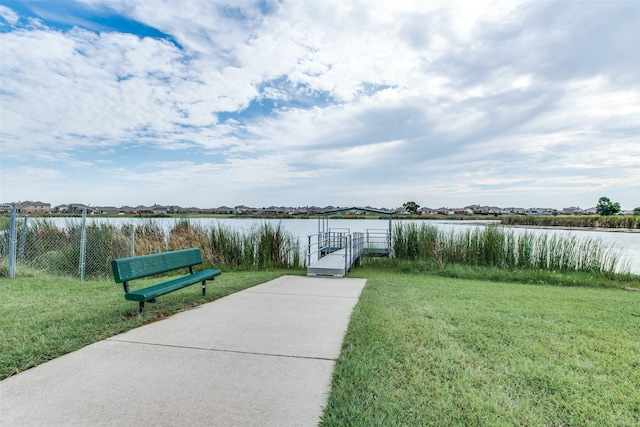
142	304
204	287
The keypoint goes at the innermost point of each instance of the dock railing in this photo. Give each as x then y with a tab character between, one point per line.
357	249
378	241
322	244
354	245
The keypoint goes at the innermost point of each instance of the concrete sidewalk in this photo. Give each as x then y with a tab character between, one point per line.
260	357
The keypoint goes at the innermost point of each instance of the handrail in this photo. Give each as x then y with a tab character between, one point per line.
354	244
378	240
324	243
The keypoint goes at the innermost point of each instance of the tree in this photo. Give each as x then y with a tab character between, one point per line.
636	211
606	207
412	207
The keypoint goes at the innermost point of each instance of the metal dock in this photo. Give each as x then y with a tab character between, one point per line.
333	252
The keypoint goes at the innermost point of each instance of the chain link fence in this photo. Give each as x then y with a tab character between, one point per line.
84	249
30	246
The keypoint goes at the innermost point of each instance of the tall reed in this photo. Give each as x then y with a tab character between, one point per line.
495	246
54	249
229	247
149	238
575	221
264	246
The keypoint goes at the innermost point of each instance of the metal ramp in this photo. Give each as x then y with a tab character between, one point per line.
332	264
334	253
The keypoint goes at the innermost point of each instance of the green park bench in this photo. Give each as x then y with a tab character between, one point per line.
127	269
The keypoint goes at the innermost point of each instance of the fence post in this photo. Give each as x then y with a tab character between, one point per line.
83	243
12	242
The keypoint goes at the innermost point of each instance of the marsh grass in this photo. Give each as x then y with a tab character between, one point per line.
56	250
263	246
496	246
150	237
575	221
422	350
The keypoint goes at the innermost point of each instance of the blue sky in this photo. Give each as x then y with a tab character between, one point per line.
209	103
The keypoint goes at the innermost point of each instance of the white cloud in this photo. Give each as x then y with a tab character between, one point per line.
8	15
472	98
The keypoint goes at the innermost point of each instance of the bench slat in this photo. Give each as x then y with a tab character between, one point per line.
125	269
154	291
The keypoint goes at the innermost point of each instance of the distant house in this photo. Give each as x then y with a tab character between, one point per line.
479	210
301	210
515	211
174	209
140	209
245	209
540	211
493	210
444	211
107	210
225	210
32	208
463	211
314	210
278	210
571	211
78	208
159	210
427	211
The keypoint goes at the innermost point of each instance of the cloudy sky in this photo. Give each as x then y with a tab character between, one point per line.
319	102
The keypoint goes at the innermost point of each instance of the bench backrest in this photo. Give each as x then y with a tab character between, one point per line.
125	269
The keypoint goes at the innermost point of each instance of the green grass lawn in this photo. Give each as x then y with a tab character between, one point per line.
46	317
420	349
424	350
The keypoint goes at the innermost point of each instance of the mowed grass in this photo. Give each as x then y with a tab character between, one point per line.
46	317
424	350
420	349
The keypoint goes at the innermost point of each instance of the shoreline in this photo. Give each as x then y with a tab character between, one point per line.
577	228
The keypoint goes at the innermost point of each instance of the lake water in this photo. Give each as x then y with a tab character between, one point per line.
627	241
